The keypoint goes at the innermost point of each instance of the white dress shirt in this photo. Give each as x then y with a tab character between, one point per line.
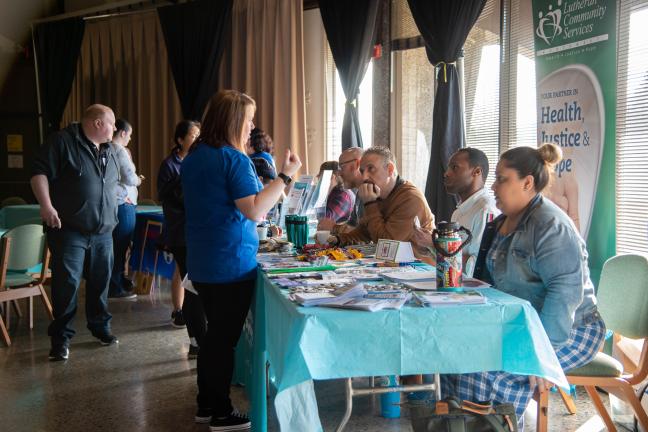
473	214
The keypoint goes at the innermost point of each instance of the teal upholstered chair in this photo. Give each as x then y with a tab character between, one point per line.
12	201
623	304
22	248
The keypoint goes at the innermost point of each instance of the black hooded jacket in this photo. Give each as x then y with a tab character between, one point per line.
82	180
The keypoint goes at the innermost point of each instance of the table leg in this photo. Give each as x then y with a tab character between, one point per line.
348	392
437	386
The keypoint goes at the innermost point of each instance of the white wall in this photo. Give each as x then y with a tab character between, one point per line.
315	80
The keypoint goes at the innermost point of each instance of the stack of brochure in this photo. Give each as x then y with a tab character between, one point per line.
411	276
366	274
308	299
432	299
373	301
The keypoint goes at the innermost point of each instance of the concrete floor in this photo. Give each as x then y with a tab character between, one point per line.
146	383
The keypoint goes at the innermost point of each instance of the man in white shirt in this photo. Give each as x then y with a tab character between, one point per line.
466	175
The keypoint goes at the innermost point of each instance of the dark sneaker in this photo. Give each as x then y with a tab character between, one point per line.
193	352
59	352
177	320
128	284
124	295
106	339
203	415
233	422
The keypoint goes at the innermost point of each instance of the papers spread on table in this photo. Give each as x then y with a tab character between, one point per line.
469	282
355	296
308	299
372	302
371	273
422	286
410	276
433	299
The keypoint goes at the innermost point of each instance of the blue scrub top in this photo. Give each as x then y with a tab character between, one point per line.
221	242
265	155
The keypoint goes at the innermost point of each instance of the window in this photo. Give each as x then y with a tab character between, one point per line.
482	84
335	102
413	100
518	92
632	129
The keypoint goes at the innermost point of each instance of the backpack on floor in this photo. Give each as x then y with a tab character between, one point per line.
454	415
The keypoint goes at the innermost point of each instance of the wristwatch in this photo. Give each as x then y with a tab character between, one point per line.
286	179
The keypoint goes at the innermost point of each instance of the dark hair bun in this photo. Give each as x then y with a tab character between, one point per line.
551	154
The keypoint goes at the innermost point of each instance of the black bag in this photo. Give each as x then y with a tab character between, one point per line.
454	415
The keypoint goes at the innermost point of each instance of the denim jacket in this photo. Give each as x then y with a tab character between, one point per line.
543	261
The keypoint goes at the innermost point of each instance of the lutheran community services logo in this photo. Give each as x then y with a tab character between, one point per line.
549	24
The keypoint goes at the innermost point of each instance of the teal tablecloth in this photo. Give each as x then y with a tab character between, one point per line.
13	216
302	344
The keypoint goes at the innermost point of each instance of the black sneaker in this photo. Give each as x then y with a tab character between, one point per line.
59	352
193	352
203	415
128	284
124	295
106	339
177	320
233	422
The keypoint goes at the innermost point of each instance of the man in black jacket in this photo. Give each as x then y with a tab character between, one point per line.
75	179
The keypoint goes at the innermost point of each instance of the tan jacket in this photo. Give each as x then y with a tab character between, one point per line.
393	217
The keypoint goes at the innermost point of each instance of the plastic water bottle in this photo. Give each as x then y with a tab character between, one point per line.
389	402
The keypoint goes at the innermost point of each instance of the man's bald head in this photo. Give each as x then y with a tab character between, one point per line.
351	153
95	112
349	164
98	122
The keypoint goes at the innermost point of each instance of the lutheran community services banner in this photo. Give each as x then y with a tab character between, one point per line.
575	48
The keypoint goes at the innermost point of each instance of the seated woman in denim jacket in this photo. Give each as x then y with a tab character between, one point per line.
533	251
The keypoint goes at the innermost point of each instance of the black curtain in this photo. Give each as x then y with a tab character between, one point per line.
349	26
444	26
195	35
58	45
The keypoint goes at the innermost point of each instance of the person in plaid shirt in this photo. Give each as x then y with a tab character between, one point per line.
340	201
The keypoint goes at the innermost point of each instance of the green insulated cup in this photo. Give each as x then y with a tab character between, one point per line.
297	230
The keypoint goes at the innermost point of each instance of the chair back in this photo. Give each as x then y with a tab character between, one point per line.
26	247
623	295
12	201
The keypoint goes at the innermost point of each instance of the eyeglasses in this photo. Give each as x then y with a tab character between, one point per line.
345	162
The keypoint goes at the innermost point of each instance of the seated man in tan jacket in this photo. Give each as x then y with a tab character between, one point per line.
391	204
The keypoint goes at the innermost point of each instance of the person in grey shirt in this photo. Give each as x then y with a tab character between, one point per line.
120	286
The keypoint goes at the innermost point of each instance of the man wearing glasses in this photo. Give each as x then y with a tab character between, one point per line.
349	171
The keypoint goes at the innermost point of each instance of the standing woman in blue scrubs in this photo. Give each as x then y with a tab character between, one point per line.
223	202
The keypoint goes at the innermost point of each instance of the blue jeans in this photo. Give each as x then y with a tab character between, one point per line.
76	255
122	237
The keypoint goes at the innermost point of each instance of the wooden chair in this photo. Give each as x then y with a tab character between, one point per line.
145	281
541	397
623	304
22	248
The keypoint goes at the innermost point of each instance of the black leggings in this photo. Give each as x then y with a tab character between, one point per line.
226	306
192	309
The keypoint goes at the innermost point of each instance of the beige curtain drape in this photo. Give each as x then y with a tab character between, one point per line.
266	61
123	64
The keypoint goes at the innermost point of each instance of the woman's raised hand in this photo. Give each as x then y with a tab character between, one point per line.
291	163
